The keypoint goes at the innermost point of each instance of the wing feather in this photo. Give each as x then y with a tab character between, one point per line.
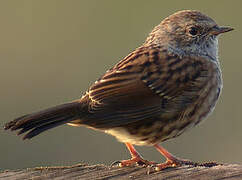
146	84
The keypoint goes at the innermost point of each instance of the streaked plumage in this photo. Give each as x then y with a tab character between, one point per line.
170	83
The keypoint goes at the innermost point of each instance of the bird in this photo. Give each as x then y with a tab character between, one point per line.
167	85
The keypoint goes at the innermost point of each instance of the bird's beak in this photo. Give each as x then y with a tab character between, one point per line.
216	30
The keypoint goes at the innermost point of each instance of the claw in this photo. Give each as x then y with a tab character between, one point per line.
174	163
136	161
179	162
115	163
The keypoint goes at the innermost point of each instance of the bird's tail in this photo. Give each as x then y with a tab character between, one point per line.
39	122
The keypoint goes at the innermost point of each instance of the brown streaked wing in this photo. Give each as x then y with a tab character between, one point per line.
120	97
147	83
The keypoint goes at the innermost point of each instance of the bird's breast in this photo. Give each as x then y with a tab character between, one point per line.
208	98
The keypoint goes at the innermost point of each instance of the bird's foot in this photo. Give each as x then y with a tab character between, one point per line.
179	162
174	163
134	161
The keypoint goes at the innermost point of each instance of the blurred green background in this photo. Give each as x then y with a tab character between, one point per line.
52	50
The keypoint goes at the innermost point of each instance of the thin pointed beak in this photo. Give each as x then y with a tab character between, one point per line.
216	30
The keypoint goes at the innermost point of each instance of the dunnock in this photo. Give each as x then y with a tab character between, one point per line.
165	86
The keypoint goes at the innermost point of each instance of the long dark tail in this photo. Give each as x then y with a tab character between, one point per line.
39	122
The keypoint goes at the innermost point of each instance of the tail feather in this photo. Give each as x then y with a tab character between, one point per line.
30	125
39	122
36	131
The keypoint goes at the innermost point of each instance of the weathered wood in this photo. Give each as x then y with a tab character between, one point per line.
83	171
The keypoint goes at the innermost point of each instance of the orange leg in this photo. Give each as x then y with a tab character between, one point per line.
136	158
171	160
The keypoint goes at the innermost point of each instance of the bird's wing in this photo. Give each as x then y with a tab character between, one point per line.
146	84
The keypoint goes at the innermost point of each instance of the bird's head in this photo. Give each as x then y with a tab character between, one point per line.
188	31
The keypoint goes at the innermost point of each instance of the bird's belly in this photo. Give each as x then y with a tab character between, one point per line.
155	132
148	132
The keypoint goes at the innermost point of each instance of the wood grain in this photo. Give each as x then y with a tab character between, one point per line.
84	171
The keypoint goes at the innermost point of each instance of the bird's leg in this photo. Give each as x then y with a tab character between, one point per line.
171	160
136	158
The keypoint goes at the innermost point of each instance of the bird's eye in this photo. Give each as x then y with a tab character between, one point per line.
193	31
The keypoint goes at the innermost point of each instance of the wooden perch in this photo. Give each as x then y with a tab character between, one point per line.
83	171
